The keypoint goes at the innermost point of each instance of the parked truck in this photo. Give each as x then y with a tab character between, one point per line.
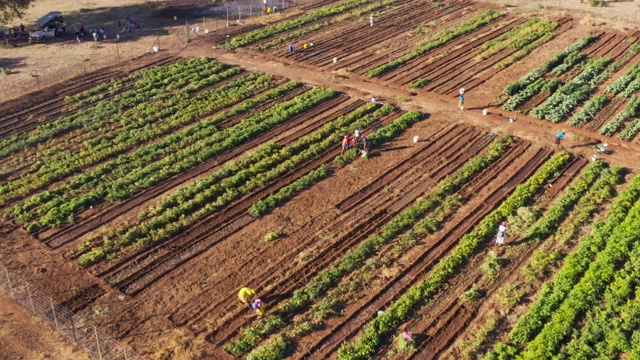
49	26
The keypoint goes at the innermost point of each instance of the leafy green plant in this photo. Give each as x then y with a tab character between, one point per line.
470	295
366	345
438	40
271	237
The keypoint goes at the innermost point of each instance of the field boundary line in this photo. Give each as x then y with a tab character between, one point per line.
71	326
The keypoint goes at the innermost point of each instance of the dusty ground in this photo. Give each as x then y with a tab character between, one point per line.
24	337
70	59
66	58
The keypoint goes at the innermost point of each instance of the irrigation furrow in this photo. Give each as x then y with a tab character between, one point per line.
183	248
425	261
381	215
443	333
367	213
73	232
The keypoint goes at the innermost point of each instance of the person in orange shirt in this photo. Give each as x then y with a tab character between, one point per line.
346	143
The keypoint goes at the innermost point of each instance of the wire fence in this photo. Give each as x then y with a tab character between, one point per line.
71	326
107	55
225	14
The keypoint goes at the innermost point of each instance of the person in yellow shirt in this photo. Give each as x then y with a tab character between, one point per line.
247	295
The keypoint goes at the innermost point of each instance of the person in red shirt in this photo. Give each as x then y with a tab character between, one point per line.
346	143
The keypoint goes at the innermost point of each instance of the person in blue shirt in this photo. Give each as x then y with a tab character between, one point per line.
461	102
559	137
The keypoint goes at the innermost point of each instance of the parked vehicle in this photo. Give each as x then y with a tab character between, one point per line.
49	27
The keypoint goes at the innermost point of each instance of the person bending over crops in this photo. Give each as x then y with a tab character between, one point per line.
365	148
247	295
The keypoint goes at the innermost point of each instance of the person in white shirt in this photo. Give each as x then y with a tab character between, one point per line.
502	229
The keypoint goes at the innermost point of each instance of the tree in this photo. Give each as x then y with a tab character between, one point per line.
11	9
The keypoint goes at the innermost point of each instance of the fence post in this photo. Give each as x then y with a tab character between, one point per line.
95	332
6	271
55	318
33	308
73	330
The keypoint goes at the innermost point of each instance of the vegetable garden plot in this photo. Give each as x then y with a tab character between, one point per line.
207	177
574	77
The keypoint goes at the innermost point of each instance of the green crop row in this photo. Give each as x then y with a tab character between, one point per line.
146	167
438	40
553	293
548	224
558	59
91	117
517	38
85	94
525	50
265	32
51	199
599	193
624	82
269	203
193	202
601	271
304	31
589	110
326	279
630	131
368	344
615	124
68	162
565	99
609	325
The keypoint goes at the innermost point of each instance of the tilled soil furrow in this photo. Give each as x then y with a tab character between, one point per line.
425	64
409	275
440	332
166	258
369	59
356	234
365	36
67	235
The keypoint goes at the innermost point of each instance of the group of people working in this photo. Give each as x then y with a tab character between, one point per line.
349	142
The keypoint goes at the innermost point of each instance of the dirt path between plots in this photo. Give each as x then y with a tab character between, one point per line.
540	132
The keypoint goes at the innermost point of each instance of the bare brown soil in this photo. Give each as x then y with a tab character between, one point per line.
183	291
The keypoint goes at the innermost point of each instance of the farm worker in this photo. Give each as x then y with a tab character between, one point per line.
371	20
559	138
78	38
356	134
305	46
256	305
291	48
373	99
501	233
346	142
275	8
366	148
461	102
247	295
462	91
264	5
269	10
95	35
